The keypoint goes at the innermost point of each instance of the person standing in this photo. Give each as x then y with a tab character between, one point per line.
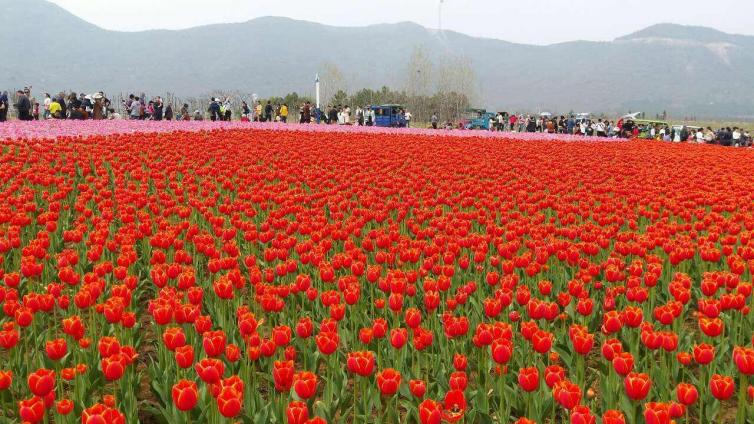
23	106
169	112
47	102
284	113
258	112
185	116
245	112
4	106
268	112
306	113
135	109
228	109
214	109
56	109
601	130
407	115
736	137
157	109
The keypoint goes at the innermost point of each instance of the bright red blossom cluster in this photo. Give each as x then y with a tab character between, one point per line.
262	276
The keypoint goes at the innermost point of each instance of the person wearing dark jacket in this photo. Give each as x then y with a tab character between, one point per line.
531	126
268	112
4	106
168	112
214	110
23	106
306	113
157	109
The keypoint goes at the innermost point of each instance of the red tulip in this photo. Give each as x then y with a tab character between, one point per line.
528	379
388	381
582	415
229	402
637	385
460	362
656	413
721	387
501	349
185	395
613	417
184	356
327	342
114	366
361	363
398	337
282	374
553	375
418	388
6	378
41	382
430	412
305	384
686	394
623	363
214	343
297	412
542	341
173	337
56	349
210	370
31	410
582	342
567	394
704	353
744	359
64	406
454	406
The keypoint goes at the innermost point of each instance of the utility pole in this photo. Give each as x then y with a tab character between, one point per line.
439	19
316	89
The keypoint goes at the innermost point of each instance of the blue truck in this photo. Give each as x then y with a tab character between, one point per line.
477	119
390	115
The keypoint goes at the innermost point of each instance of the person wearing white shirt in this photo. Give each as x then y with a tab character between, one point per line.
407	116
699	136
736	137
47	103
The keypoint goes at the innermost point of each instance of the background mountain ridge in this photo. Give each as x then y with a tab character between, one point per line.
684	70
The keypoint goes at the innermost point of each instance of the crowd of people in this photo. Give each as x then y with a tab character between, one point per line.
622	128
59	106
98	106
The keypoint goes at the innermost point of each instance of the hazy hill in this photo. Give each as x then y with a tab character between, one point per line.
684	70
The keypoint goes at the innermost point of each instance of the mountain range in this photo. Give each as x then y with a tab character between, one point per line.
686	71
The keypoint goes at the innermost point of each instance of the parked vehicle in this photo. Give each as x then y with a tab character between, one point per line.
390	115
477	119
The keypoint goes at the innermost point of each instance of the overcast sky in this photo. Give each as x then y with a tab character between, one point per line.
524	21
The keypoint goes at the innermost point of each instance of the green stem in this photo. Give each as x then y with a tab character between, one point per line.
742	402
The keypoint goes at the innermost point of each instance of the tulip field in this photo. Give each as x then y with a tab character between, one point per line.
250	274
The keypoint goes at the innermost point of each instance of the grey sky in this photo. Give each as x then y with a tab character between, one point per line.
524	21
